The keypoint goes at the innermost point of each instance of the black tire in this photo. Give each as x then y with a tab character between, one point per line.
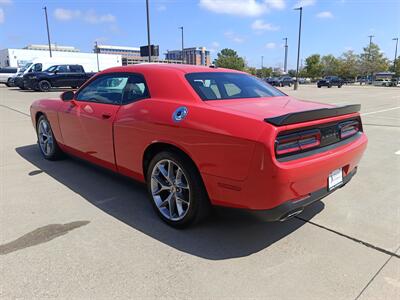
329	86
199	206
55	153
44	86
319	86
339	86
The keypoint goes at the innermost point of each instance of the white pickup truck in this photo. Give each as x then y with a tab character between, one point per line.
6	73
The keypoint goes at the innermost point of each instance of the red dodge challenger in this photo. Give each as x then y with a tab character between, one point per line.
200	136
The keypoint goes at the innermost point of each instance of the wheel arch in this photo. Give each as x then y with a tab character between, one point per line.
158	147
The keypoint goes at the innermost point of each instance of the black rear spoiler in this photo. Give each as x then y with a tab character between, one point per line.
311	115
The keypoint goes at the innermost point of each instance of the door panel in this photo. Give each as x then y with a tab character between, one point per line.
87	127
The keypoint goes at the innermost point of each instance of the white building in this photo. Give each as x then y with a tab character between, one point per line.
54	47
20	57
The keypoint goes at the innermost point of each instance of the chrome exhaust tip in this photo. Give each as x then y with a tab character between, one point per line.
290	215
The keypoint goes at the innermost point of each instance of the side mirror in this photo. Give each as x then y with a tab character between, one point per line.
67	96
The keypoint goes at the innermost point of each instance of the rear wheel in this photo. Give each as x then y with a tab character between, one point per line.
47	143
176	189
319	86
44	86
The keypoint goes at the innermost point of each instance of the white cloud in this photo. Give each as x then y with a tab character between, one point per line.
270	45
304	3
230	35
248	8
260	25
93	18
325	15
66	14
278	4
89	16
1	16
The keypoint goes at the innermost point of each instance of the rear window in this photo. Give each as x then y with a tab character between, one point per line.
227	85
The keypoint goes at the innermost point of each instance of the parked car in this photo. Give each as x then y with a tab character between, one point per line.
200	136
382	82
274	81
57	76
6	73
285	81
330	81
304	80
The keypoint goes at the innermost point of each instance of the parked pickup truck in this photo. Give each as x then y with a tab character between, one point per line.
56	76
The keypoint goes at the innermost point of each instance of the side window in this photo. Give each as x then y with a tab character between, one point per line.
232	89
135	89
37	68
62	69
114	89
74	69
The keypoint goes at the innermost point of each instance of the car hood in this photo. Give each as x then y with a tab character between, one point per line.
261	108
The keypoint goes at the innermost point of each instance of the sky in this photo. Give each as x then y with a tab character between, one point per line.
253	28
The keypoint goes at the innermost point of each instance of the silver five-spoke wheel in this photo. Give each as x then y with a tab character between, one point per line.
46	140
170	190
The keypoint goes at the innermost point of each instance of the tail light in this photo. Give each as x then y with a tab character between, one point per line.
348	129
298	141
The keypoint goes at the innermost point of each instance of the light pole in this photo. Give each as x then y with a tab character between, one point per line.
395	54
262	62
296	84
183	53
148	29
286	53
369	57
48	31
97	56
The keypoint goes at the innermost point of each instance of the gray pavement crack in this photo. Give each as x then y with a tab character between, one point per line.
16	110
375	275
392	254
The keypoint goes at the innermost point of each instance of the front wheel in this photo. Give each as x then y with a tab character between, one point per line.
44	86
176	189
47	143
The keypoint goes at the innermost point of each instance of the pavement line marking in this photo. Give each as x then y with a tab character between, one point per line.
379	111
392	254
16	110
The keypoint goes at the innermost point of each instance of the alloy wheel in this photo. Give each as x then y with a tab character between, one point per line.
170	190
46	140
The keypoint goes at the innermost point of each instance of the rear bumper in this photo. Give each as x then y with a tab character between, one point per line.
288	209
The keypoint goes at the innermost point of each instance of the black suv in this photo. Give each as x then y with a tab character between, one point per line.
330	81
56	76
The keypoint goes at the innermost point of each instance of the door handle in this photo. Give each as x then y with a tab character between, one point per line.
106	115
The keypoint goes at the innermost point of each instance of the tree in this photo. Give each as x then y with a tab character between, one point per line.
349	65
313	66
264	72
292	73
330	65
397	69
229	58
372	60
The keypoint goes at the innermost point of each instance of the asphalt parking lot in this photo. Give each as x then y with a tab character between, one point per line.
71	230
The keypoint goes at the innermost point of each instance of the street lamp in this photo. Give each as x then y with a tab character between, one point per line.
395	53
369	54
286	53
148	29
183	55
48	31
296	84
262	62
97	55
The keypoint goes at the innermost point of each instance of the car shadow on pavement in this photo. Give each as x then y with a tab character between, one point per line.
226	234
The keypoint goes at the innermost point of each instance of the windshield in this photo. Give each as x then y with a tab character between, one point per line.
25	67
227	85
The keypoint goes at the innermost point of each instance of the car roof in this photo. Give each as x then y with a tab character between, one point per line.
182	68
